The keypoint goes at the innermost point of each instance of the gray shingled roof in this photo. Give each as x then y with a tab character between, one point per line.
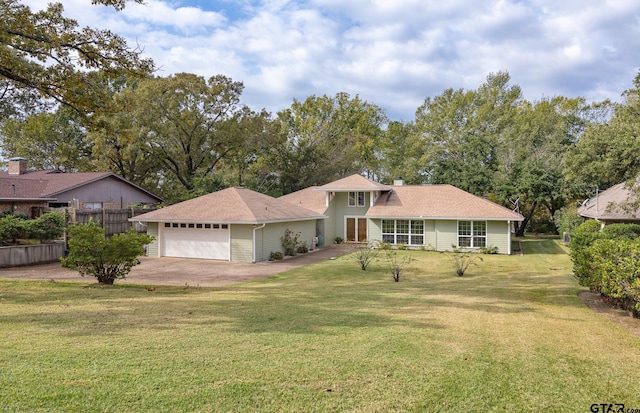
231	205
606	205
439	202
47	184
353	183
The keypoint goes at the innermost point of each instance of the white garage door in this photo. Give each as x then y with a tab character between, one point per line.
194	242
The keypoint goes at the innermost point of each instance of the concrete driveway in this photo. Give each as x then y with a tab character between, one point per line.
186	271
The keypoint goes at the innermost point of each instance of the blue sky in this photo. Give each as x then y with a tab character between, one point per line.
393	53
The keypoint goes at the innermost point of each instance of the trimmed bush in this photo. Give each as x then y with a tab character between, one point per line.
583	237
616	271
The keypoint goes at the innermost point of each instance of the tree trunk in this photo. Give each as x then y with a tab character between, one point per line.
527	218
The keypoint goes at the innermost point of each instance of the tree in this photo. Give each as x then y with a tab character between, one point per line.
327	138
47	52
189	125
107	259
50	140
459	132
119	137
399	152
609	151
531	155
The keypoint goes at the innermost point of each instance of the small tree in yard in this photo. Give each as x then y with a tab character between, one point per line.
364	255
107	259
396	265
462	261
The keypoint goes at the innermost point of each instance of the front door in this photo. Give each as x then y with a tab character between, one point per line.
356	230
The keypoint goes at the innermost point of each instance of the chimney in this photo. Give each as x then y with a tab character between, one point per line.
398	181
17	166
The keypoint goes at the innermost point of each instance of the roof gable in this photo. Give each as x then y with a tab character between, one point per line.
354	182
48	184
233	205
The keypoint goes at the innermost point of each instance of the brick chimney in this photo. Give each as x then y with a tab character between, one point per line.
17	166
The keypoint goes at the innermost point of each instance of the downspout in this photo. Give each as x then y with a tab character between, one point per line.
509	238
254	240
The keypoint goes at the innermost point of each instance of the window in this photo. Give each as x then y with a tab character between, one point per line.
356	199
417	233
207	226
93	206
225	226
167	225
403	231
198	225
191	226
472	234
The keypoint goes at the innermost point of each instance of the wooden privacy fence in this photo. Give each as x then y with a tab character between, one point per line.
115	221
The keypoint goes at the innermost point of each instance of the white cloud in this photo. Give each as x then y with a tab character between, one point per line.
393	54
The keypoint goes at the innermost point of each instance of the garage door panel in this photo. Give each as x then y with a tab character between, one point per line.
197	243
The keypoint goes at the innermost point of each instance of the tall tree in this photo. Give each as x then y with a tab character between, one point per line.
460	131
47	52
49	140
190	126
399	151
609	151
119	138
326	139
531	157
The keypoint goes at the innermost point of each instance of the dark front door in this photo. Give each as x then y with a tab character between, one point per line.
356	230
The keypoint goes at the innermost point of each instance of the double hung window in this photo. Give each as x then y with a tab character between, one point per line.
356	199
403	231
472	234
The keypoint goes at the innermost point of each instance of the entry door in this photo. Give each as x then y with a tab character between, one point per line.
356	230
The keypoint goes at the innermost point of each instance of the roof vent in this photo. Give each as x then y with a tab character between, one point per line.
398	181
17	166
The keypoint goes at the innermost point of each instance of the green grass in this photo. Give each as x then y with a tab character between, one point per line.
511	335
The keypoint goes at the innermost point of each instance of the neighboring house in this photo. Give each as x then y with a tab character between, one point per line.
607	206
238	224
24	191
234	224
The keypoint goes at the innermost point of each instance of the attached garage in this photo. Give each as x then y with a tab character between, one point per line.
196	240
234	224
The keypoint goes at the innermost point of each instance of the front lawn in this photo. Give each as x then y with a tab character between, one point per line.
511	335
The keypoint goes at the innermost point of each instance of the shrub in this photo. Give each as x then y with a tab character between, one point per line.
396	266
46	227
302	248
277	255
491	249
616	270
567	219
462	261
629	231
107	259
338	240
290	242
364	255
11	228
583	237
